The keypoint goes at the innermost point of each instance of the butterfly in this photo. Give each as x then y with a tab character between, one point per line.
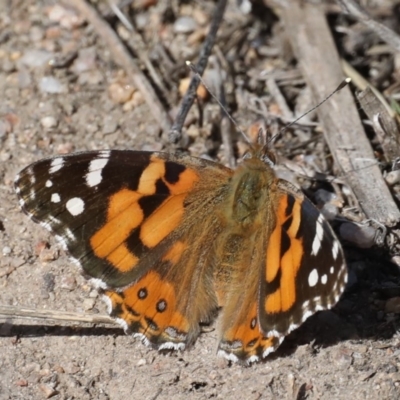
173	240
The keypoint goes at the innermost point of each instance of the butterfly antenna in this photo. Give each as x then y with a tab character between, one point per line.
194	70
344	83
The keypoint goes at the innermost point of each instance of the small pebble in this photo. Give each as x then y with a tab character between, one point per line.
47	255
48	282
59	369
6	250
110	125
362	236
94	77
329	211
49	122
393	177
85	61
48	391
120	93
68	282
40	246
185	25
67	18
94	294
21	382
88	304
322	196
65	148
36	58
245	6
141	362
49	84
135	101
141	21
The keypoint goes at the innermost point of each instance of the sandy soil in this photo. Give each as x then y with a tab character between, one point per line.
350	352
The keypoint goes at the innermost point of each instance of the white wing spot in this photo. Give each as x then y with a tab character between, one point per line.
306	315
56	165
313	278
335	249
55	198
324	279
93	177
49	183
332	270
75	206
69	234
16	181
319	234
32	178
54	220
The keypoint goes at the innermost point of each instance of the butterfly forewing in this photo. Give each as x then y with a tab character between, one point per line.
114	210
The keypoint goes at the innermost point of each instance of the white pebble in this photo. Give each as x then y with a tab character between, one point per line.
36	58
185	25
6	250
49	122
141	362
49	84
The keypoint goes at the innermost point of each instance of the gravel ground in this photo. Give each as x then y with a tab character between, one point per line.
350	352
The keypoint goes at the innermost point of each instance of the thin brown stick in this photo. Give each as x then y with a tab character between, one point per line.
226	124
315	50
384	124
386	34
175	133
122	56
279	98
54	315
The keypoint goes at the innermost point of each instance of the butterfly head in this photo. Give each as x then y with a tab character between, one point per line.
260	149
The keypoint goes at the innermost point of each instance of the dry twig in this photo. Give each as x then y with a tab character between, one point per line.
175	133
54	315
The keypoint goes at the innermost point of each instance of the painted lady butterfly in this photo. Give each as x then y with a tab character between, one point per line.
171	238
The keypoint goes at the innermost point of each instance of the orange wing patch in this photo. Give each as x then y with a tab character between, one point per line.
246	341
175	252
163	221
148	308
286	261
125	214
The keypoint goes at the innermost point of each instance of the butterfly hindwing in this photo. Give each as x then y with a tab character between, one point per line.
304	269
